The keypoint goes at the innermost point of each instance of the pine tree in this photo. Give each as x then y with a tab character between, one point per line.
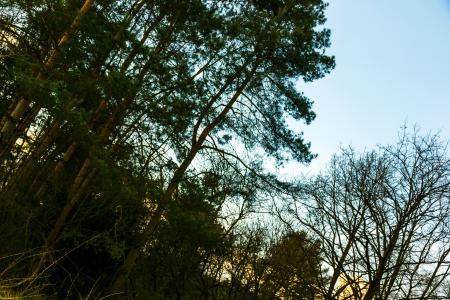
107	102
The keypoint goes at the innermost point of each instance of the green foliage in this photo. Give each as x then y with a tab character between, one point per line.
294	267
114	113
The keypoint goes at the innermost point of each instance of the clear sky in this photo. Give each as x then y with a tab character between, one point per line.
392	68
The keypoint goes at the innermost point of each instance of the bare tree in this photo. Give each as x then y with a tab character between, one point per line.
383	220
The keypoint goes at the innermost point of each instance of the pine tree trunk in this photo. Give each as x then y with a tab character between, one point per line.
77	188
9	125
118	286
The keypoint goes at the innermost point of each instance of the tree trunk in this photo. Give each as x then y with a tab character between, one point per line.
118	286
8	125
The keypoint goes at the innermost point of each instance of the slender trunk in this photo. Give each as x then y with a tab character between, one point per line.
119	283
80	184
54	130
23	173
61	221
38	182
400	260
81	179
127	62
68	33
375	283
9	123
340	264
431	285
9	132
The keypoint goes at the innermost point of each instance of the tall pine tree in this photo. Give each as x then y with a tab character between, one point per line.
108	106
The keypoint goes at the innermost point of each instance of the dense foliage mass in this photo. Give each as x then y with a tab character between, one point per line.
133	135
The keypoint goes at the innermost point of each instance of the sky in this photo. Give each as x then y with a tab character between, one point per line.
392	69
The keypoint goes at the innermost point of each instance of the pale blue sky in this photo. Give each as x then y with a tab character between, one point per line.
392	67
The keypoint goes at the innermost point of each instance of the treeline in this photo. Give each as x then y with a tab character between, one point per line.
134	141
133	133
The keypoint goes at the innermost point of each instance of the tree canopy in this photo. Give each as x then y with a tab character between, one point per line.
128	124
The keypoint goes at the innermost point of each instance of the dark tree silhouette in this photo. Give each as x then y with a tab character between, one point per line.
382	220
